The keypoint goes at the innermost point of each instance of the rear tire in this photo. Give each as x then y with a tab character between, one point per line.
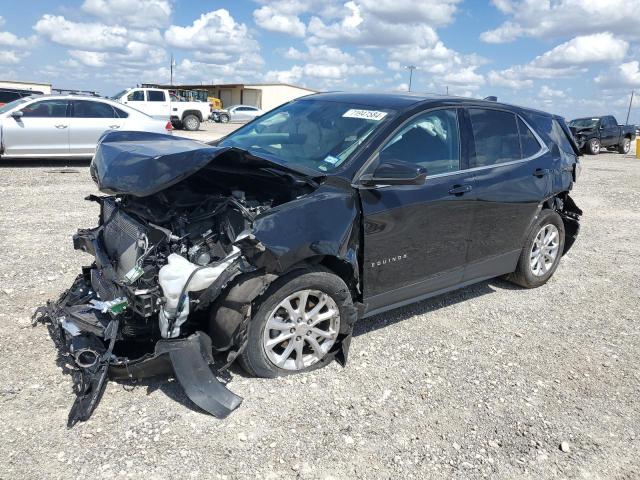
296	325
191	123
593	147
625	146
539	258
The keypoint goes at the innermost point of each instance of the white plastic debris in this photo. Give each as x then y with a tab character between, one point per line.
173	277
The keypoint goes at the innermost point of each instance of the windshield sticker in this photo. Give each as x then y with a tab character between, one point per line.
331	159
365	114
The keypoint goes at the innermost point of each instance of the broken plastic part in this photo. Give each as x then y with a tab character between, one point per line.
179	277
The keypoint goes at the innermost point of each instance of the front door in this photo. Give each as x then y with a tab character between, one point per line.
43	129
512	177
415	237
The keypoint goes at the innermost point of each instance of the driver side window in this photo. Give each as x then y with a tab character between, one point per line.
430	141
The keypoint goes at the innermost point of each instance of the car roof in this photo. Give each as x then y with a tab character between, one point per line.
404	100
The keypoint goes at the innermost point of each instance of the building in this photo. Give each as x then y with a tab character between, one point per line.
262	95
36	87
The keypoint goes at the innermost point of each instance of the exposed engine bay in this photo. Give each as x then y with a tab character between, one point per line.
161	260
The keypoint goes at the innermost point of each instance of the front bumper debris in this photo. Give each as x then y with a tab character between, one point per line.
85	331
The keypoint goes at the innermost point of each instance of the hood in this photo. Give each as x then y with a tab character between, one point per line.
577	130
143	163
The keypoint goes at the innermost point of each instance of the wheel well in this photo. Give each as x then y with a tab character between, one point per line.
335	265
570	214
192	112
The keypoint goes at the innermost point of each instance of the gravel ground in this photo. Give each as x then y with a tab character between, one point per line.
489	381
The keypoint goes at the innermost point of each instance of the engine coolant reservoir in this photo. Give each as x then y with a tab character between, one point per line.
173	278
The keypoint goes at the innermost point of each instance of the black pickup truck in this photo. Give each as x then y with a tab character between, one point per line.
595	133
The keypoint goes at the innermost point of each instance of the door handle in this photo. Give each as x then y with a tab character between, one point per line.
62	126
114	126
459	190
541	172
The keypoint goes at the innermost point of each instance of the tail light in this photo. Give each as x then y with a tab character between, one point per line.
168	127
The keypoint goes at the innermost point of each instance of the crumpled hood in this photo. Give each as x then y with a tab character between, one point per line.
143	163
581	130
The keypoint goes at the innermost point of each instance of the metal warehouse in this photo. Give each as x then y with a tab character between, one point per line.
262	95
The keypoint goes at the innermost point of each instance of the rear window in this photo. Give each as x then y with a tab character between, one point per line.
496	137
6	97
530	145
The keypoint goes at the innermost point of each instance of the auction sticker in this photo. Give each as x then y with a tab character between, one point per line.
365	114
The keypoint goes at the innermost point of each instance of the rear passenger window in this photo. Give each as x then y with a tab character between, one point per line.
430	141
89	109
496	137
530	145
155	95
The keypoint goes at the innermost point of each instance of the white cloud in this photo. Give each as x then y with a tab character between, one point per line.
626	75
585	50
135	13
543	19
73	34
11	56
548	92
90	59
213	32
282	16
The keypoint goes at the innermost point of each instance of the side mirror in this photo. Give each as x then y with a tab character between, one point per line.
17	114
395	172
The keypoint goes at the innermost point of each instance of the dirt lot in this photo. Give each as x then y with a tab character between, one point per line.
487	381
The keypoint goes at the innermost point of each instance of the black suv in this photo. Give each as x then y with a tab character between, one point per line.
277	238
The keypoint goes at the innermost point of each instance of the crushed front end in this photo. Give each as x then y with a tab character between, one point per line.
127	315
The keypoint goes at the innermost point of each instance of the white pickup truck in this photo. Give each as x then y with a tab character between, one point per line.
161	104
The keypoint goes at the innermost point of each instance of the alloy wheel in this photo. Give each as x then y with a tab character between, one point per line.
544	250
301	330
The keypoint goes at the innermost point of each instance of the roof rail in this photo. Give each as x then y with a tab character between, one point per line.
65	91
491	98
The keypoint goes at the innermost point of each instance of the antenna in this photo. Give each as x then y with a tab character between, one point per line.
411	68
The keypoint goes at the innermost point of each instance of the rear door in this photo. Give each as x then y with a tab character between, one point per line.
512	172
416	236
42	130
89	120
158	105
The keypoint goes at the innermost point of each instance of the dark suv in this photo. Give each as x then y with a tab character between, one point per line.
277	238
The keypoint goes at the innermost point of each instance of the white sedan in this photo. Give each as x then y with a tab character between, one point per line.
66	126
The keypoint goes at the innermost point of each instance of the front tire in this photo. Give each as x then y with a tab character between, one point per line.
542	251
296	324
191	123
224	118
625	146
593	147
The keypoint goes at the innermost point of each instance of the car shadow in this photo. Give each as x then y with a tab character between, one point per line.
400	314
60	164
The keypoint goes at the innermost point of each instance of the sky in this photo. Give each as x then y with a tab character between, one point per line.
569	57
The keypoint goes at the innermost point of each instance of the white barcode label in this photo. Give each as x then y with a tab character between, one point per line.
365	114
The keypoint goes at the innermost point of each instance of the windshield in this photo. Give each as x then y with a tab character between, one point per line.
5	108
317	135
584	122
119	95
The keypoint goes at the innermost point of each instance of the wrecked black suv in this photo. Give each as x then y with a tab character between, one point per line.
275	239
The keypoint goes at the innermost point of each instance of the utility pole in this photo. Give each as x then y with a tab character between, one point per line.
629	111
411	68
172	64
